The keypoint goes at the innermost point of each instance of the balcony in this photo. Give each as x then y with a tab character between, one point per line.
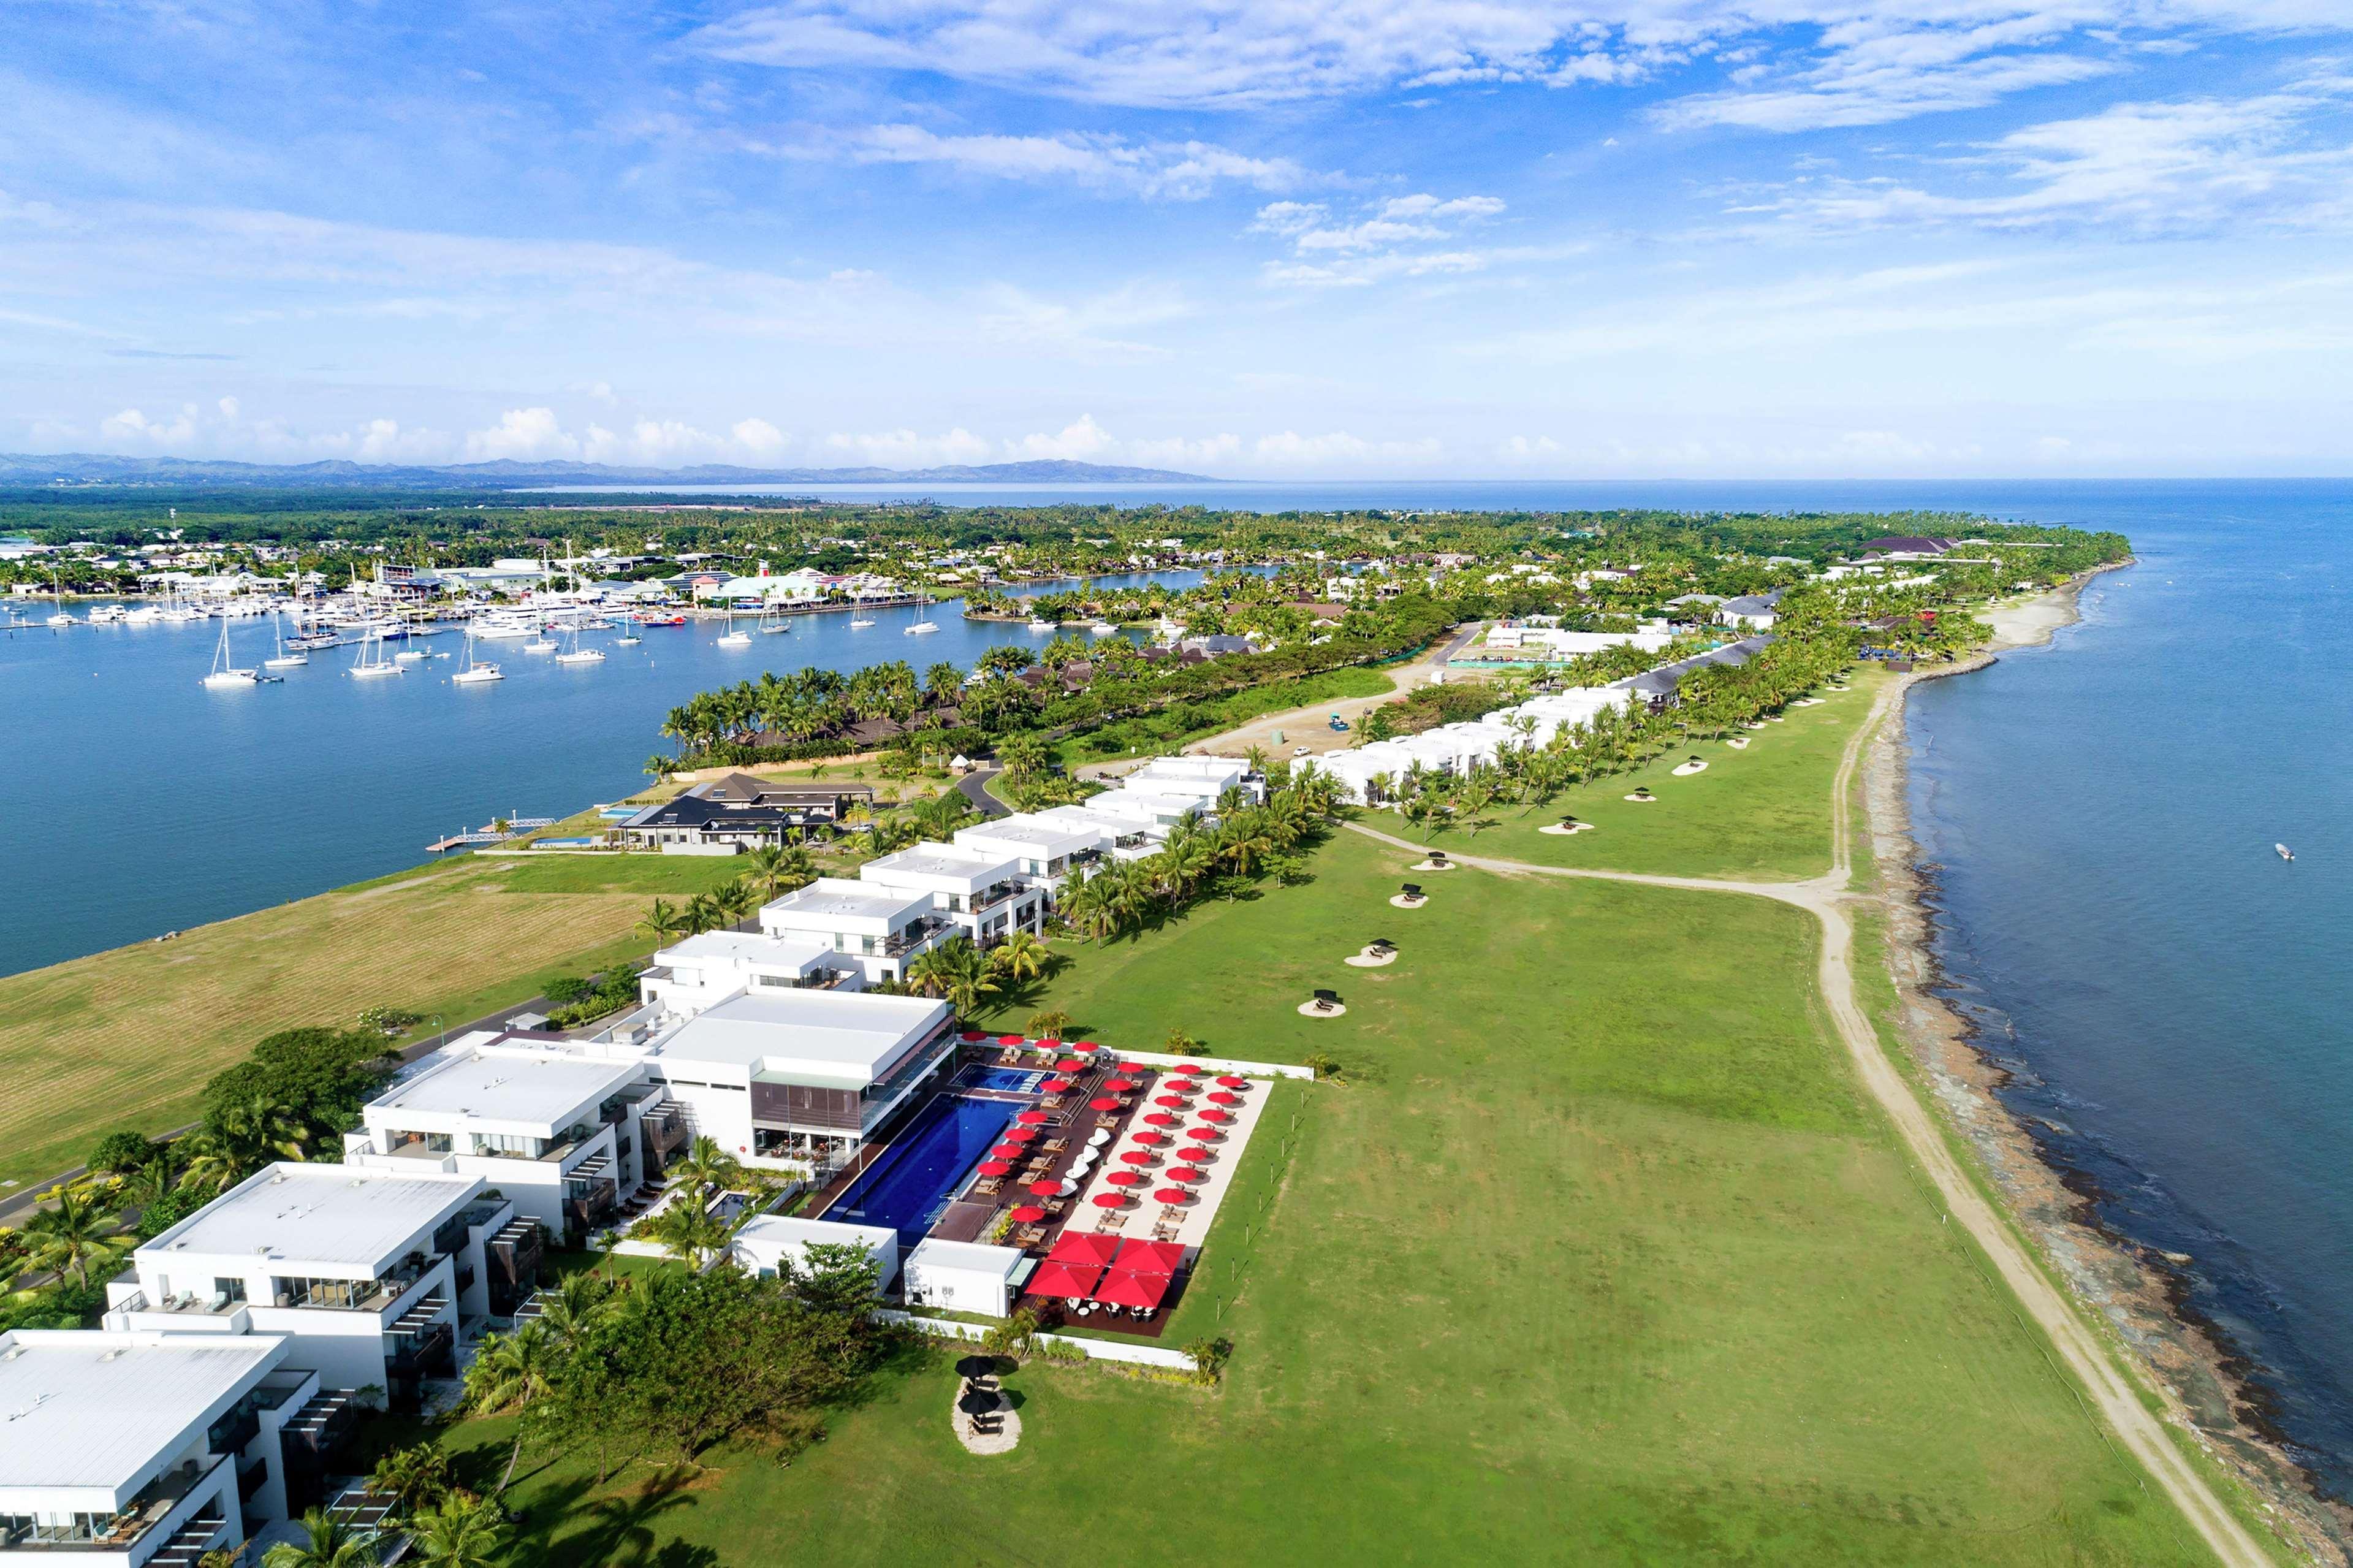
899	944
149	1510
355	1295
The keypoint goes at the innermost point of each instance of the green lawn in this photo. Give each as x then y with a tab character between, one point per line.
1757	813
1599	1256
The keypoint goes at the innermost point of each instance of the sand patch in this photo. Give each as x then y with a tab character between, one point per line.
1333	1010
1570	831
1369	960
1643	800
1003	1440
1432	865
1685	769
1738	743
1401	901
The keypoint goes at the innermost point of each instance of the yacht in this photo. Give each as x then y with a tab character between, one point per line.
106	615
371	663
540	644
1038	623
141	614
1102	629
772	621
59	616
575	655
476	673
858	622
921	627
2283	851
411	656
490	628
282	660
224	673
730	638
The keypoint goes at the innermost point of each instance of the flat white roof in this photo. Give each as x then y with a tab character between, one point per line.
844	1038
539	1090
336	1215
784	1231
87	1408
973	1257
938	860
1033	833
835	897
743	946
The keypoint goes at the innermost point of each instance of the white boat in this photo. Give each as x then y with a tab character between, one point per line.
772	623
282	660
540	645
630	636
59	616
2283	851
1102	629
730	638
140	614
371	663
1038	625
575	655
858	622
106	615
475	674
490	628
224	673
410	656
921	627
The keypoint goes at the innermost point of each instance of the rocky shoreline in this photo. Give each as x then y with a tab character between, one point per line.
2139	1293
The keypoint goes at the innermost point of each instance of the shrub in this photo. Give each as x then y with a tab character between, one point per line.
1180	1043
121	1153
565	990
387	1020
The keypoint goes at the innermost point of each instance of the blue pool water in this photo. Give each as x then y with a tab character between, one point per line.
910	1185
1010	1080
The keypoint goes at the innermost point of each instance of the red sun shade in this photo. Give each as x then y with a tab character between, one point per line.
1173	1102
1173	1195
1086	1045
1008	1039
1191	1068
1083	1247
1222	1099
1055	1086
1215	1116
1150	1140
1194	1155
1203	1134
1045	1188
1231	1082
1150	1257
1124	1179
1018	1134
1160	1118
996	1168
1185	1175
1121	1288
1028	1214
1119	1085
1102	1103
1073	1064
970	1035
1033	1119
1110	1200
1136	1157
1007	1151
1071	1280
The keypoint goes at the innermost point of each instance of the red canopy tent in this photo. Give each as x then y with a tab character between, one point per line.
1110	1200
1231	1082
1203	1134
1072	1281
996	1168
1033	1119
1173	1195
1084	1247
1045	1188
1136	1157
1149	1258
1143	1291
1028	1214
1185	1175
1102	1103
973	1035
1173	1102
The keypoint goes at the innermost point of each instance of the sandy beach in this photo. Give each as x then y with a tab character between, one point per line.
2128	1289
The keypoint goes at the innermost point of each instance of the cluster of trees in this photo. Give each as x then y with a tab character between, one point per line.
1249	843
803	705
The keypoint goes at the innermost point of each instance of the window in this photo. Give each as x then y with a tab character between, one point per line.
228	1289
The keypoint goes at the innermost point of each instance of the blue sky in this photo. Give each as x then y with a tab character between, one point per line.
1283	238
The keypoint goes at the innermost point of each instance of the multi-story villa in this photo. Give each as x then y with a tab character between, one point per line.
687	977
984	895
1045	850
880	928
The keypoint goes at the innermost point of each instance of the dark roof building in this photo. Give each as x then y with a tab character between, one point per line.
739	810
1909	544
1657	685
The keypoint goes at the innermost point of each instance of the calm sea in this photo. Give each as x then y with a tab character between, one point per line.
2171	996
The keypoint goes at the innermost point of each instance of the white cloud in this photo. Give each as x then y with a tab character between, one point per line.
228	406
526	435
1391	239
132	427
906	448
1081	442
1177	170
757	436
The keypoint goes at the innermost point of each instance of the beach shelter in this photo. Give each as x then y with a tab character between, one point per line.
1143	1291
1069	1281
1009	1040
1084	1247
1017	1135
1191	1068
1007	1151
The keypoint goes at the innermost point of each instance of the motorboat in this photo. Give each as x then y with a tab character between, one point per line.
2283	851
1102	629
1039	624
540	645
106	615
224	673
860	622
490	628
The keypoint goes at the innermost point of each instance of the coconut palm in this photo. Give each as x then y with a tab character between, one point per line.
237	1139
1021	957
954	973
507	1373
571	1309
72	1233
661	765
736	898
461	1532
332	1543
707	1167
703	914
664	922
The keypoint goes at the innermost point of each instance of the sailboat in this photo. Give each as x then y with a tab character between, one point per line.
575	655
281	660
858	614
224	673
372	663
60	616
475	674
630	637
921	627
730	638
772	621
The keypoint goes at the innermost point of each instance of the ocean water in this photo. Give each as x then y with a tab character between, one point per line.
2172	999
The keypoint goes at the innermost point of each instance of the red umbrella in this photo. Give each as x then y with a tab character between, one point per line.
1180	1085
1033	1119
1173	1102
996	1168
1231	1082
1217	1116
1125	1179
1008	1039
1073	1064
1222	1099
1110	1200
1173	1195
1102	1103
1203	1134
1186	1175
1086	1045
1007	1151
1121	1288
1055	1086
1017	1135
1160	1118
1084	1247
1028	1214
1150	1257
1194	1155
1151	1139
970	1035
1136	1157
1065	1279
1046	1188
1191	1068
1119	1085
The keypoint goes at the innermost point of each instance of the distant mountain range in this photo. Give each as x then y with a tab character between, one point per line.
18	469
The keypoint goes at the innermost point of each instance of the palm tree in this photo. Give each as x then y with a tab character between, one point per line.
332	1543
663	922
706	1167
694	1231
766	865
240	1139
954	973
570	1310
1021	957
72	1234
661	765
736	898
462	1532
703	914
508	1373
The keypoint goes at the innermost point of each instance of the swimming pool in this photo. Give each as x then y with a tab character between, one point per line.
909	1187
1012	1080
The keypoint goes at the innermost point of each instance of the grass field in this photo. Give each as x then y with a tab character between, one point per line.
126	1038
1599	1256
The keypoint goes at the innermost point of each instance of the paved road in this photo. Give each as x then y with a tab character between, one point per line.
974	787
2116	1393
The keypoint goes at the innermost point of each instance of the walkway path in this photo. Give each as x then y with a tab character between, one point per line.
2116	1395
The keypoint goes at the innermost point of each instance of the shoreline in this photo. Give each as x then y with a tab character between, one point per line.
2212	1389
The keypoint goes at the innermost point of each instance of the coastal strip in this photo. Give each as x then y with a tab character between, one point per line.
2118	1282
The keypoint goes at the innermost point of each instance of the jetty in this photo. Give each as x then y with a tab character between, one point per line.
492	834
